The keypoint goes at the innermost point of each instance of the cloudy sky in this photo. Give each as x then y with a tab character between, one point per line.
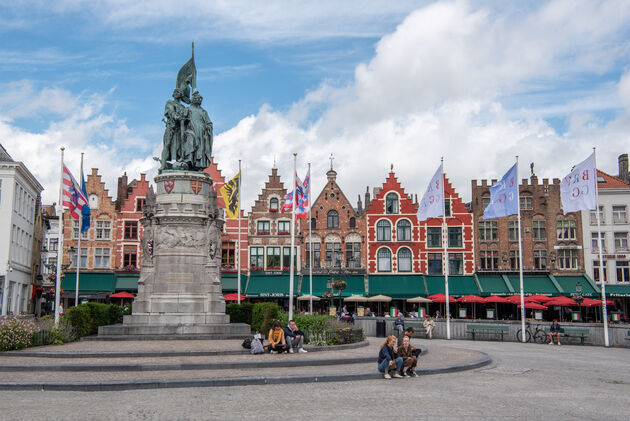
374	83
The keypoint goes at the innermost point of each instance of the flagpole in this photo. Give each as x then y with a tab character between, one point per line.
238	254
601	257
76	292
291	272
520	253
60	250
310	237
446	268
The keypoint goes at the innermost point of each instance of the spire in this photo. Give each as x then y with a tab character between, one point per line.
331	174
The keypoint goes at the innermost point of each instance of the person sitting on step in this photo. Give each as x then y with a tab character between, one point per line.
294	337
389	360
409	360
277	341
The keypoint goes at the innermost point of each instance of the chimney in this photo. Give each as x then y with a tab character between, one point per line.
367	197
359	205
122	193
623	168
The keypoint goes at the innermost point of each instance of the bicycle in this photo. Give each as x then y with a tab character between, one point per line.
539	335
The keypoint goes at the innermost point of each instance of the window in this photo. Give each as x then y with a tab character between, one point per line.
353	222
273	258
273	204
565	229
540	259
447	207
567	259
52	266
594	216
435	263
93	201
286	257
455	263
485	201
454	236
262	227
84	258
75	231
434	237
333	255
513	230
103	230
140	201
489	259
383	230
384	260
596	271
131	230
621	241
514	260
316	254
404	260
526	203
487	230
619	215
623	271
538	230
284	227
595	242
256	258
391	203
313	223
353	255
101	258
403	230
228	254
332	219
130	256
53	244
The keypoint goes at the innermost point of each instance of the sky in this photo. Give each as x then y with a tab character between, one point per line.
373	83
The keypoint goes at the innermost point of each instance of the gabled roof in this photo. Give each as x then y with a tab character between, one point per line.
610	182
4	155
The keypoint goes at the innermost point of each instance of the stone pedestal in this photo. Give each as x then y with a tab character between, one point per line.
179	290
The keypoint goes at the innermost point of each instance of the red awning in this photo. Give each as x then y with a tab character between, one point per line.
441	298
539	298
122	294
534	306
562	302
233	297
495	299
471	299
589	302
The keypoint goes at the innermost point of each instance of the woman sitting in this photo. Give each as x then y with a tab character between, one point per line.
409	360
388	360
277	342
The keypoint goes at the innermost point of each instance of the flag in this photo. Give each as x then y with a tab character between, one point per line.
577	189
302	193
432	203
230	191
287	206
72	194
85	210
504	196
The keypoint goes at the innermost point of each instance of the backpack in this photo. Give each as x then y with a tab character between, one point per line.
257	347
247	343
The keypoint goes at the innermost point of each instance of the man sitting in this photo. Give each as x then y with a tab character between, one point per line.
294	337
554	330
399	324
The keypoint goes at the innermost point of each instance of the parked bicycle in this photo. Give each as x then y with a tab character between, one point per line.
539	335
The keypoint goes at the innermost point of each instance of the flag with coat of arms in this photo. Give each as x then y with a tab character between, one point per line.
73	196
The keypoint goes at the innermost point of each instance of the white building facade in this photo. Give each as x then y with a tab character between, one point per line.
19	191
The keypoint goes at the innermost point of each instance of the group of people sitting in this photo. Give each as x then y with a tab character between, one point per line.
287	339
398	356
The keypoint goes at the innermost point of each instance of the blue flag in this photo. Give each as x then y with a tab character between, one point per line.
85	210
504	196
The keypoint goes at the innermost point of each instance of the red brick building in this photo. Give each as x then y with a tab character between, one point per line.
130	200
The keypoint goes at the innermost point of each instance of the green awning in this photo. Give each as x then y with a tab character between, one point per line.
89	281
618	290
397	286
270	286
568	284
534	285
457	285
126	281
229	282
493	285
321	284
435	284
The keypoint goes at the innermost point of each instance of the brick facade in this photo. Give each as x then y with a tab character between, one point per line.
130	200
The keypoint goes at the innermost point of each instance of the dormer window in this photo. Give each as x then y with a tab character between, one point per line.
391	203
273	204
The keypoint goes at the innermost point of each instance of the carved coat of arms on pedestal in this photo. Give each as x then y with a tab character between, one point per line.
168	185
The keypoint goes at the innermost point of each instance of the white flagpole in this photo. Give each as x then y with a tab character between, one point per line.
446	268
291	273
238	254
520	253
601	257
76	292
60	250
310	236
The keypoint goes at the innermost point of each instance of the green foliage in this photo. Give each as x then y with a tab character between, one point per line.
263	317
15	333
320	329
86	318
240	313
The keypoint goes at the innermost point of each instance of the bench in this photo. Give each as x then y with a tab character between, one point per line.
418	328
627	338
573	332
487	329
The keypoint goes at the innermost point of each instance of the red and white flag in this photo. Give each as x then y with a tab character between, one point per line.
73	197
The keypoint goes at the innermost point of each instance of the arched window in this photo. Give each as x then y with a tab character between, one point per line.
353	222
384	260
383	230
333	219
391	203
404	260
273	204
313	223
403	230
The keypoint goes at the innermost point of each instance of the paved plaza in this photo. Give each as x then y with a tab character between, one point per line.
523	382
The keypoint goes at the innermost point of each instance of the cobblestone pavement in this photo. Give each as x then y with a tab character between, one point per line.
524	382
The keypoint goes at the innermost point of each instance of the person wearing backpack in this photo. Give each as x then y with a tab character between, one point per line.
277	341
